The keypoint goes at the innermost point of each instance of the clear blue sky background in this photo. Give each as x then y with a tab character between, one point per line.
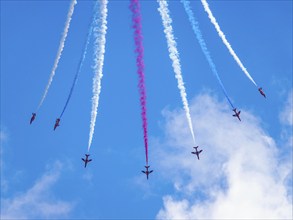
112	186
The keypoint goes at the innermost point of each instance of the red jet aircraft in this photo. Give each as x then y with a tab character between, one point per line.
147	172
33	117
86	160
56	123
261	92
196	152
237	114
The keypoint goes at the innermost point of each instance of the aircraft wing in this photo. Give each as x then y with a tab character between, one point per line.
89	160
199	151
143	171
83	159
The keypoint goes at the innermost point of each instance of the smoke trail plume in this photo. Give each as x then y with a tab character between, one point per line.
174	55
99	30
59	53
136	24
201	41
225	41
84	52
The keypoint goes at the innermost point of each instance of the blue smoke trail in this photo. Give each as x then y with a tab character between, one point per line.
84	52
195	27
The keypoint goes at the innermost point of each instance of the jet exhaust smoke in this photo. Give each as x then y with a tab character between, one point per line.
201	41
59	53
99	30
174	55
225	41
136	25
84	52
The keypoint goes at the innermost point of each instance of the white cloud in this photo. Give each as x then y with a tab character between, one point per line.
38	201
239	174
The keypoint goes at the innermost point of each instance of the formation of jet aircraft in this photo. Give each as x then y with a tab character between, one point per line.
86	160
196	152
147	172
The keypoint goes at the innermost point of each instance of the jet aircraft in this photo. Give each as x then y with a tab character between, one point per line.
261	92
237	114
147	172
86	160
196	152
56	123
33	117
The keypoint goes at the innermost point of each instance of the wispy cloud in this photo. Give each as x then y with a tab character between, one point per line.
239	174
4	183
38	202
286	116
3	136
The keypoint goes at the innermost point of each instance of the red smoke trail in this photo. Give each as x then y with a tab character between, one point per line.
136	25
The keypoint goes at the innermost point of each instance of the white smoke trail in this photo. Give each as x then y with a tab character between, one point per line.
61	46
99	31
223	37
174	55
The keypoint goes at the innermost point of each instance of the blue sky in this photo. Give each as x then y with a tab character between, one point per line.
42	175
